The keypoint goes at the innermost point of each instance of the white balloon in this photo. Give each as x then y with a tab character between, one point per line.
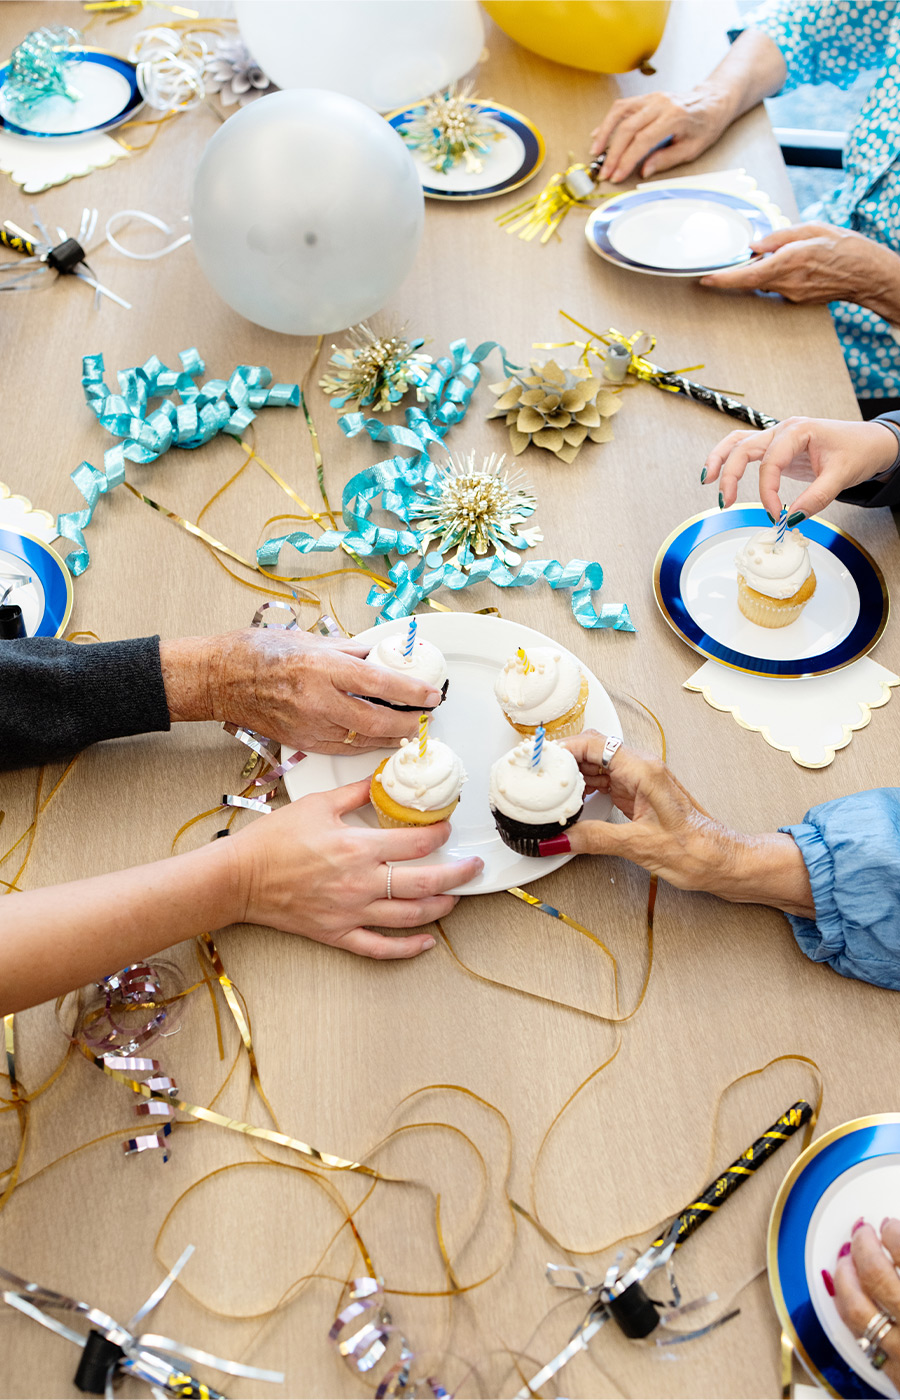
386	53
307	212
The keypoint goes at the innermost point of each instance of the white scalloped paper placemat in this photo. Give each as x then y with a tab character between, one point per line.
809	719
39	163
17	513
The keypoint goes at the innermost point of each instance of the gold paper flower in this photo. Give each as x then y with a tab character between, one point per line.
473	511
448	128
555	408
374	371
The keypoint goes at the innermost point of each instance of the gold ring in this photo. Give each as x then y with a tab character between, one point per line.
351	735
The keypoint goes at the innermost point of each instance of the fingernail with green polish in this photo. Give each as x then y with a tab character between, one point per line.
721	501
771	516
795	519
702	476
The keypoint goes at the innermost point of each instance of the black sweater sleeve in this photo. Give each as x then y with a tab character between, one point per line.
879	493
58	697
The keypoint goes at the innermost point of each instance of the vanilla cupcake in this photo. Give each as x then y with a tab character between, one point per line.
424	663
407	790
529	804
775	581
544	686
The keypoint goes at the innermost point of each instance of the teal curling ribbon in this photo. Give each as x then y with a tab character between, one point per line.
218	406
445	390
407	488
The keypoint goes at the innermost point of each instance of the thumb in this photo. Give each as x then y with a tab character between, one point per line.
596	838
797	233
348	798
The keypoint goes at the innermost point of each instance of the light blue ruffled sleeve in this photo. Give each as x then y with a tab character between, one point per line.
825	42
851	848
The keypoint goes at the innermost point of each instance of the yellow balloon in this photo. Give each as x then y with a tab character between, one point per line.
604	36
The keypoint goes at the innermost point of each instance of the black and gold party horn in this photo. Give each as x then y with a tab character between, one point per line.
626	1299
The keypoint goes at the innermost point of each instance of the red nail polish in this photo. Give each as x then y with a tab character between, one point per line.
860	1221
828	1282
844	1251
555	845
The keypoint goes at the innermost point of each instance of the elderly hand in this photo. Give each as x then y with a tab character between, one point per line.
819	263
672	836
682	125
865	1284
832	454
292	687
303	870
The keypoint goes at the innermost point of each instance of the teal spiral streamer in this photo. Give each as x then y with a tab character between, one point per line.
218	406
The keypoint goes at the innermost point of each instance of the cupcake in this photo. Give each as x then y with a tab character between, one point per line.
544	686
407	790
530	804
421	662
775	581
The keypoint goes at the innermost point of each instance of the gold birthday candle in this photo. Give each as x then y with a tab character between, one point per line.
520	653
423	734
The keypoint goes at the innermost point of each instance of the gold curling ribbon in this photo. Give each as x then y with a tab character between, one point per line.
241	1018
328	1160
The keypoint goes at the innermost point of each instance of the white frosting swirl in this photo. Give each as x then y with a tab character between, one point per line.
552	792
778	571
425	663
544	693
428	783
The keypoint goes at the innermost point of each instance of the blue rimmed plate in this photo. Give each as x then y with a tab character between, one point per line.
852	1171
695	582
108	95
46	601
512	159
676	233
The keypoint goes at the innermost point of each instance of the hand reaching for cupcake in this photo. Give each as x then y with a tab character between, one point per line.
830	454
314	694
672	836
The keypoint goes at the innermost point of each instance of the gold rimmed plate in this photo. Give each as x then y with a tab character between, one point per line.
695	583
852	1171
46	601
516	155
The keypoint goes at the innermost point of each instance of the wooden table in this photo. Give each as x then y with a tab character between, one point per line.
341	1042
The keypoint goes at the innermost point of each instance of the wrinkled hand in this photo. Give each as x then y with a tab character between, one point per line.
634	126
303	870
669	833
672	836
816	263
832	454
865	1283
291	687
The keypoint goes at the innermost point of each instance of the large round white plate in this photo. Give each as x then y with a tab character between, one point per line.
695	582
108	95
510	161
676	233
472	723
852	1171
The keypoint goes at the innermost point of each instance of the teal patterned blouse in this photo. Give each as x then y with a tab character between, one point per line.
834	42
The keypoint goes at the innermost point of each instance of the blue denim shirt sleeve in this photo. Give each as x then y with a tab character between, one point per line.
851	848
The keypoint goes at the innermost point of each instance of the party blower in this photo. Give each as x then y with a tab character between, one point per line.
622	1295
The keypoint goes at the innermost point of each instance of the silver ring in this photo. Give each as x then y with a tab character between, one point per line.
870	1342
610	748
390	870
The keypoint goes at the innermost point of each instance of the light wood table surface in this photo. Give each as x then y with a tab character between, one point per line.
341	1042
